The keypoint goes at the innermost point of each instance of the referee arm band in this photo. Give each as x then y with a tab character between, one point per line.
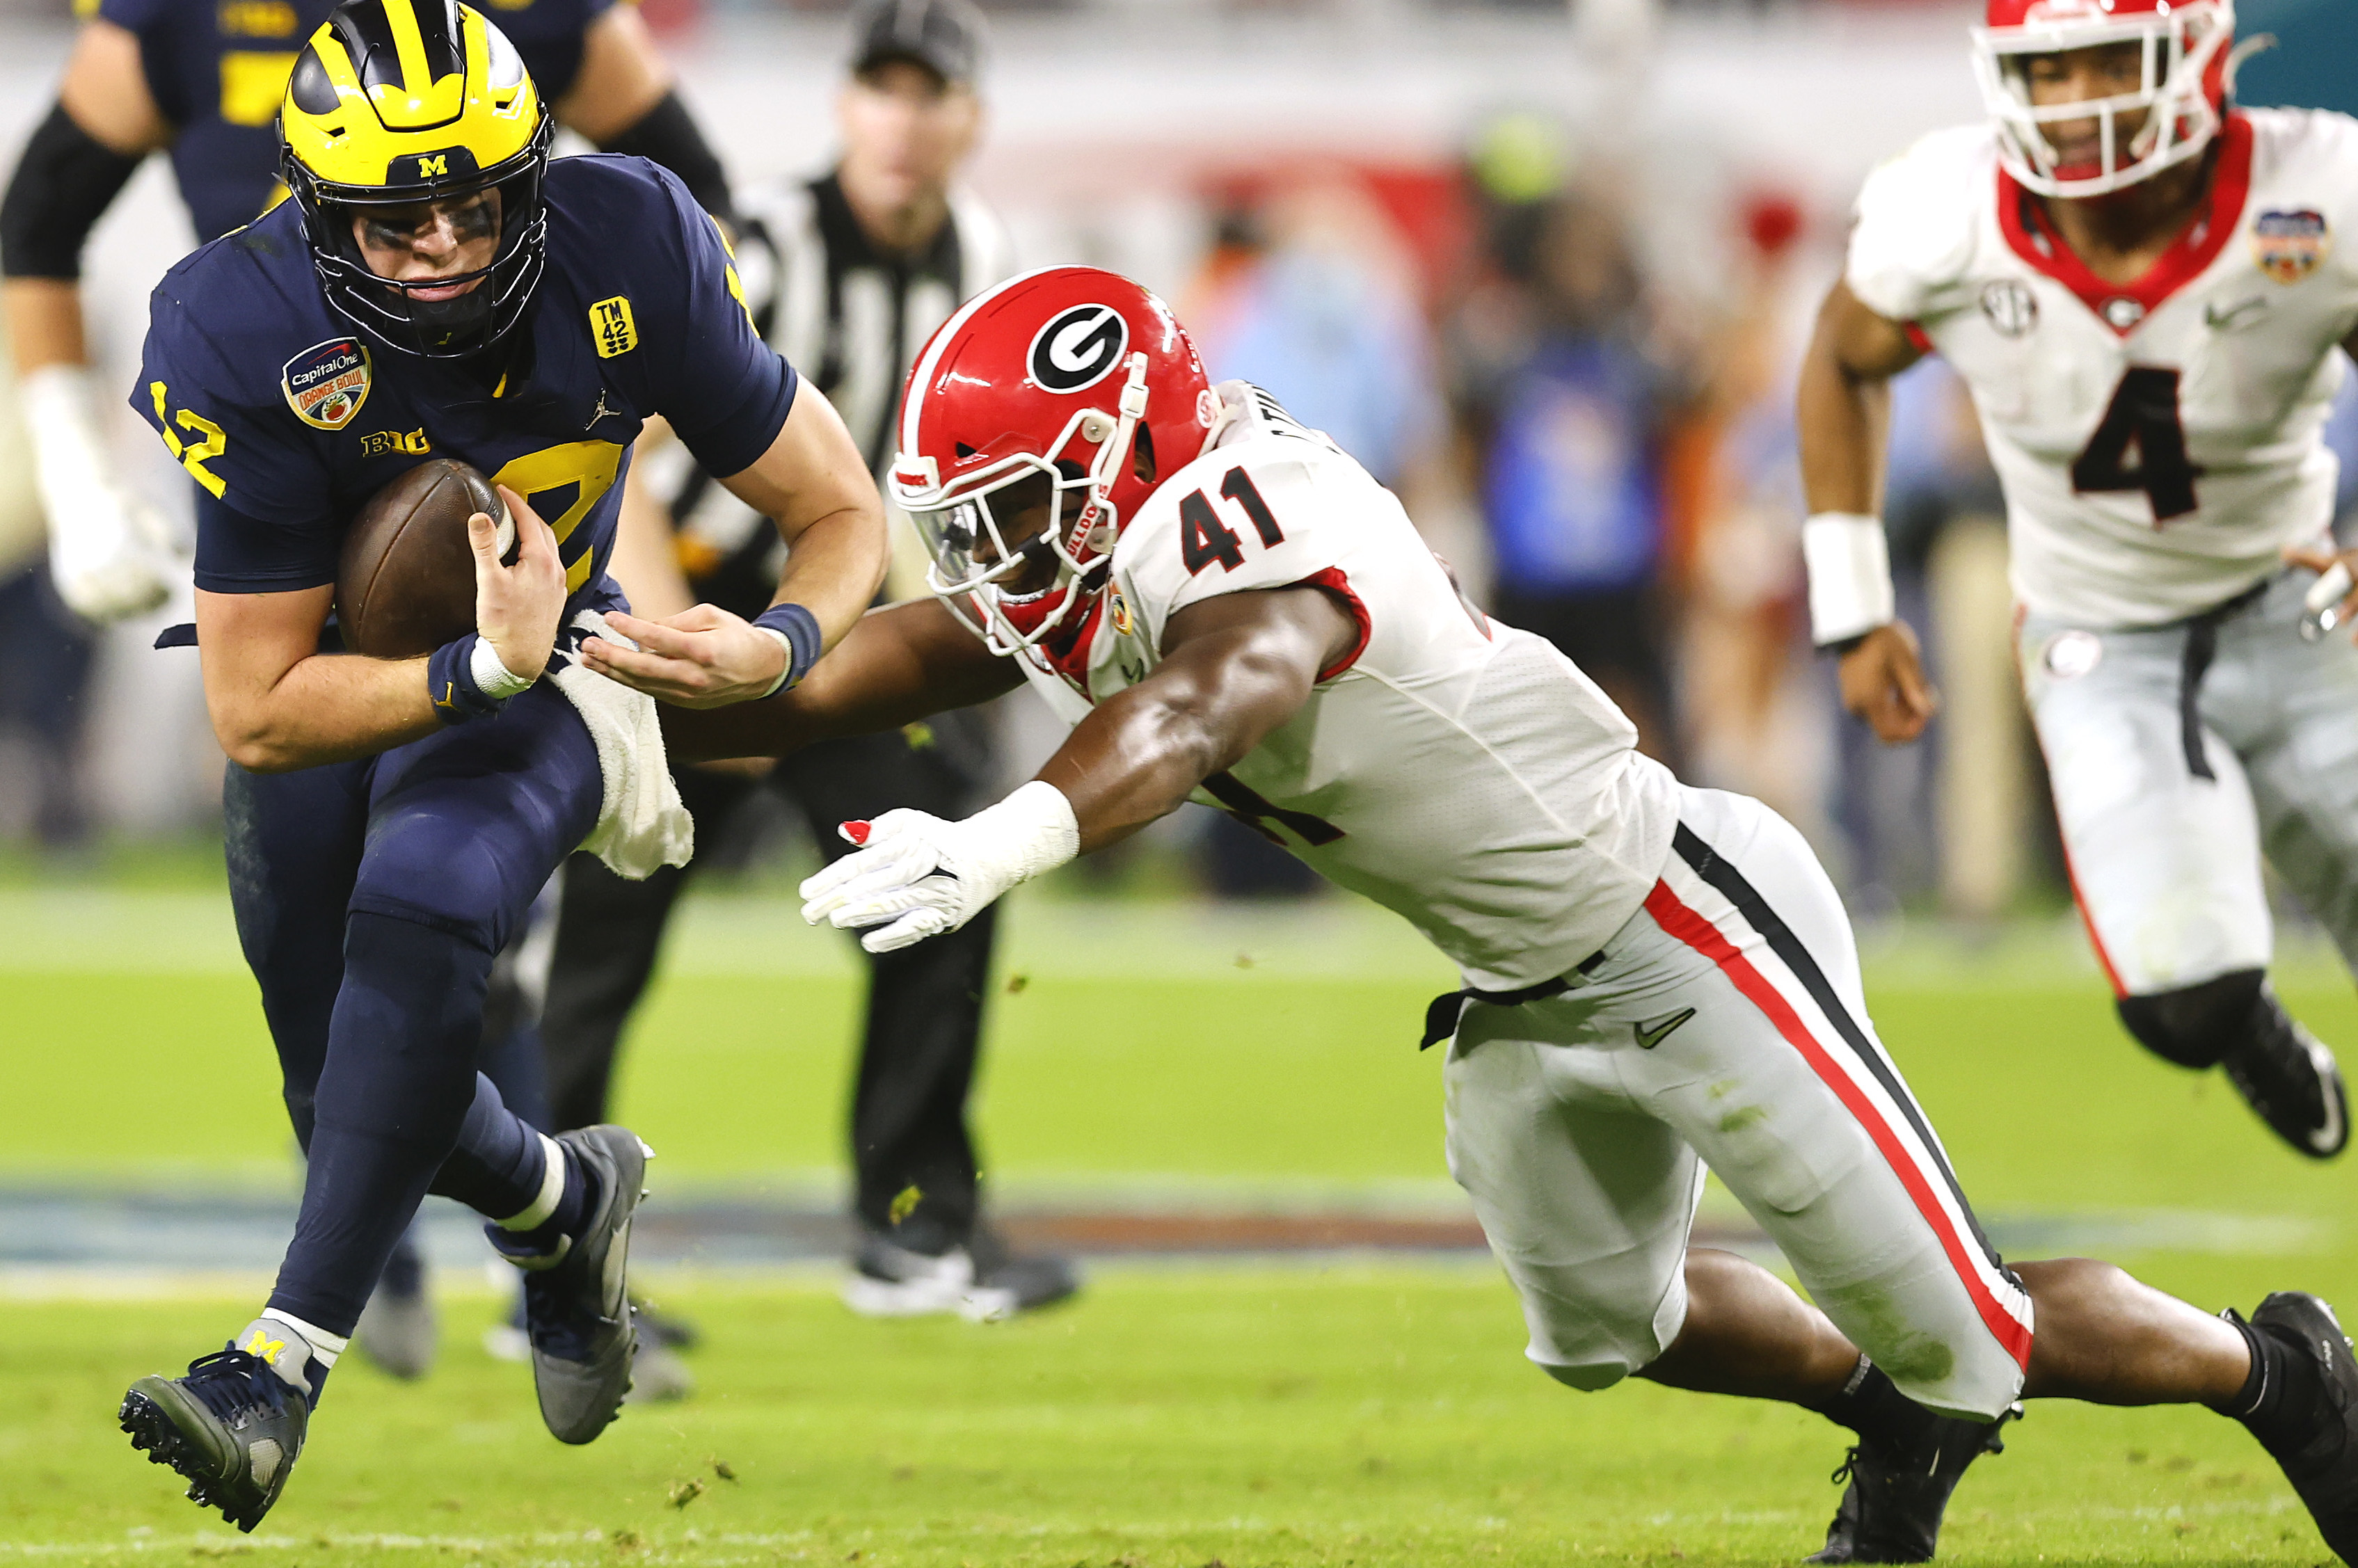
1850	576
64	181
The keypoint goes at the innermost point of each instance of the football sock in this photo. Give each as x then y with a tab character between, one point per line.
1871	1405
397	1089
500	1165
302	1354
559	1210
2278	1399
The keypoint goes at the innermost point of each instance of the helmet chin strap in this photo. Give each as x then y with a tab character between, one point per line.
1113	450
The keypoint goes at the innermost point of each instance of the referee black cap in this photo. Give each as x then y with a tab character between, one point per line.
946	37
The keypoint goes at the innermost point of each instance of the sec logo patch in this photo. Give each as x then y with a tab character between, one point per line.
327	383
2291	245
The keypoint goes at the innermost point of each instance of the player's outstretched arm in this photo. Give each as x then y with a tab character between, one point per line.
277	703
898	666
1234	668
814	484
110	551
2323	559
1844	417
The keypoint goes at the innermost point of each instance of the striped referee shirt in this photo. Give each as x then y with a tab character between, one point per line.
850	318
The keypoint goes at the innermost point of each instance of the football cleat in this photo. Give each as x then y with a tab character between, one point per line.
1007	1283
983	1283
668	1329
2288	1076
576	1306
1891	1511
659	1374
2323	1466
232	1425
398	1330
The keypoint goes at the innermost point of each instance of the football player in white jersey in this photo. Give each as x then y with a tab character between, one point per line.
2142	286
1658	979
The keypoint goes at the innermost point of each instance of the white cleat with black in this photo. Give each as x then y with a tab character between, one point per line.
984	1282
576	1301
2288	1076
1891	1511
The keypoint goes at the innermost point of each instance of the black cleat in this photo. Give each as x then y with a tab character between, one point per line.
2323	1465
1891	1511
233	1426
577	1309
2288	1077
666	1328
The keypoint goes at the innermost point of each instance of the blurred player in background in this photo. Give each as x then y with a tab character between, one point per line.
2141	285
436	285
202	81
848	274
1658	979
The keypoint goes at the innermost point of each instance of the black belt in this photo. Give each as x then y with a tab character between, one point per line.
2202	647
1442	1013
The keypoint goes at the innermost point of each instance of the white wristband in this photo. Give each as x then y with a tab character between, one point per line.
1031	832
492	677
785	669
1850	576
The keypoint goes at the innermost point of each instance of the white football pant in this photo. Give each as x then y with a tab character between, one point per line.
1725	1028
2165	860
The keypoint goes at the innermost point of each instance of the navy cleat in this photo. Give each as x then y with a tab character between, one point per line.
576	1306
1891	1511
2321	1459
233	1425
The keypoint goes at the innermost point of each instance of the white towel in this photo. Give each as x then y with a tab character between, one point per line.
642	825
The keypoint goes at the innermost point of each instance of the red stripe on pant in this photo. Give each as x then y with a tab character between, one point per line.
1701	935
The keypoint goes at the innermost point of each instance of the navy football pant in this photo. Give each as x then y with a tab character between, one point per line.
370	898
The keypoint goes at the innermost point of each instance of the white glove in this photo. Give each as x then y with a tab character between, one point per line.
926	876
110	552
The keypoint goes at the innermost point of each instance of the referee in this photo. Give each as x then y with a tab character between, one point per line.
848	275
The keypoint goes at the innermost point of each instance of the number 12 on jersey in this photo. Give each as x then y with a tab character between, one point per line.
2143	415
1204	538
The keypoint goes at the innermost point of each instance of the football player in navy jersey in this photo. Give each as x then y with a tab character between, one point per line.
201	78
437	286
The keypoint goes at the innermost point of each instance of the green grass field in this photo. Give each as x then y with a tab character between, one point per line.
1176	1415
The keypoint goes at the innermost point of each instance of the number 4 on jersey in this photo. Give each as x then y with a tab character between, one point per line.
2143	415
1204	538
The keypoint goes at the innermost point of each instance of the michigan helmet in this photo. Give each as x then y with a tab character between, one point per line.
1071	372
395	103
2186	76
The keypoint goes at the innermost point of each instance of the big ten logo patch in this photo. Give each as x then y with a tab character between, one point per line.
256	19
611	328
381	443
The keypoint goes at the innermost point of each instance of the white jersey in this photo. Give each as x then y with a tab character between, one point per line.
2159	444
1460	772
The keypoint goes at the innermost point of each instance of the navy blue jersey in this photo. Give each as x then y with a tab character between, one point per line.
289	419
218	68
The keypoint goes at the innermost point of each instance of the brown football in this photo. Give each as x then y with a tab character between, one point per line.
406	584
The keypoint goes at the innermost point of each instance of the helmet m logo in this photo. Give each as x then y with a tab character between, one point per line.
1078	349
434	167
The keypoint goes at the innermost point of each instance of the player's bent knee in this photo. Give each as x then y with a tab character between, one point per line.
2194	1026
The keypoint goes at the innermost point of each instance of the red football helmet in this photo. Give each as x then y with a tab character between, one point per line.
2182	95
1055	373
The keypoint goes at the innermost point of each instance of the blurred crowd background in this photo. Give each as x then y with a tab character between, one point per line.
1545	269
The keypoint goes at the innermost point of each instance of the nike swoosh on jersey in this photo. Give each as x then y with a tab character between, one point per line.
1649	1036
2239	314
